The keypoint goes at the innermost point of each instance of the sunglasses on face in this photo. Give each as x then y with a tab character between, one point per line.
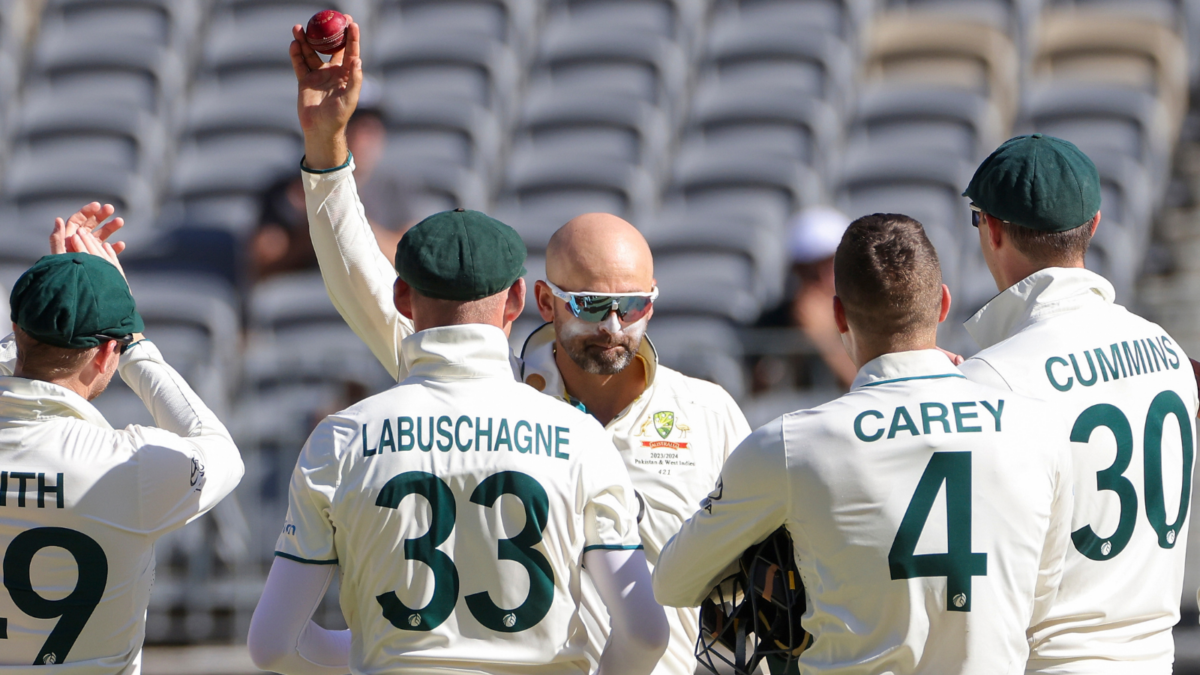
125	341
593	307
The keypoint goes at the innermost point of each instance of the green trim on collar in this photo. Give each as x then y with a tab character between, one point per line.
281	554
305	169
914	377
612	547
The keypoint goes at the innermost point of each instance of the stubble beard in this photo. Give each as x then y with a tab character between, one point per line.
598	352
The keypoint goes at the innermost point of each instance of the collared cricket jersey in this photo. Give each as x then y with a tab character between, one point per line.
928	515
458	506
673	439
81	505
1127	395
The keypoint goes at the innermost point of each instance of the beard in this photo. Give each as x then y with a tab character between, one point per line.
595	348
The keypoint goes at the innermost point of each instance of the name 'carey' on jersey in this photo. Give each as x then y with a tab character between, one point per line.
962	417
464	434
1118	360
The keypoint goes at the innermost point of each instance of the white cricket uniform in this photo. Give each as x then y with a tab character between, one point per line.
81	505
1128	397
928	513
458	506
673	438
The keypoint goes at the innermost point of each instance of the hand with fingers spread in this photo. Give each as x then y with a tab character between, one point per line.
86	241
328	95
91	218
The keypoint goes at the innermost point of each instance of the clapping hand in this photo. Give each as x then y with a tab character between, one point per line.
90	220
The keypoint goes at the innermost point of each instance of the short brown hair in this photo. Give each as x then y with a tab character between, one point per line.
887	274
40	361
1049	249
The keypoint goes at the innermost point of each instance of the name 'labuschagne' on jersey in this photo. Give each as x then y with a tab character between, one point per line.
962	417
20	480
465	434
1120	359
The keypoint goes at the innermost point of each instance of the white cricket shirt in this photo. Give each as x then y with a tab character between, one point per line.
673	438
1127	395
928	515
81	505
458	506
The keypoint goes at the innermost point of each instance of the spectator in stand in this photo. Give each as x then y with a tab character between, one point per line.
813	237
281	244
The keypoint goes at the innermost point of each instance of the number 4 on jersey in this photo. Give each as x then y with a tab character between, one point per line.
958	564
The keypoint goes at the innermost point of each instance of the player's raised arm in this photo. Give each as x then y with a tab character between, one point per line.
748	504
357	275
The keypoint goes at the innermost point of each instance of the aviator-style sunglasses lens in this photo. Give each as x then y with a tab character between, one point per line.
593	308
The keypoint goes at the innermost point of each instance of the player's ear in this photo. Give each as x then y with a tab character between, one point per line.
839	315
995	232
402	298
1095	223
545	300
945	303
514	304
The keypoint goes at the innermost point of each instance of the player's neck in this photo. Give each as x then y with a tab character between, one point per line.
72	383
604	396
1018	269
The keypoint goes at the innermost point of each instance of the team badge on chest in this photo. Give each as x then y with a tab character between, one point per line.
660	438
664	423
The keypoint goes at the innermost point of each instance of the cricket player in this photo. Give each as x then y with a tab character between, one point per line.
459	505
81	503
929	513
673	432
1125	390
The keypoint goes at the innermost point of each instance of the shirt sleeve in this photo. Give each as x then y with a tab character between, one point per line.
610	506
308	529
358	277
748	504
188	462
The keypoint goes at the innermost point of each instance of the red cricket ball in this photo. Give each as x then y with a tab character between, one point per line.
326	32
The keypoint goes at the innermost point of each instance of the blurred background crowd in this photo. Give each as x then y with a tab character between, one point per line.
739	135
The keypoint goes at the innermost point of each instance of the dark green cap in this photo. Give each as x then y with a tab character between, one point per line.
1039	182
460	255
68	300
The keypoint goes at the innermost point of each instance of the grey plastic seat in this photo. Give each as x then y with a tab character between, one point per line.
447	184
535	270
538	220
509	21
1117	253
711	169
781	122
254	37
548	179
233	164
946	120
681	21
591	124
171	23
451	132
838	17
701	347
291	301
1007	15
584	55
123	132
137	71
778	57
1126	193
749	233
52	181
450	66
714	284
253	105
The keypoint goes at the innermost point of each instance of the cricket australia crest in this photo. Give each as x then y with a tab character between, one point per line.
664	424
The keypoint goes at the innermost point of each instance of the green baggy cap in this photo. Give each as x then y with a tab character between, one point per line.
460	255
74	300
1039	182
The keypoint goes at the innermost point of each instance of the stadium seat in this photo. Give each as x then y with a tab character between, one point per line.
702	347
169	23
705	171
749	233
1117	50
535	270
782	122
839	17
450	67
236	166
956	122
681	21
582	55
454	132
537	221
291	301
716	284
542	180
439	185
50	185
1009	16
927	49
761	53
97	70
122	132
